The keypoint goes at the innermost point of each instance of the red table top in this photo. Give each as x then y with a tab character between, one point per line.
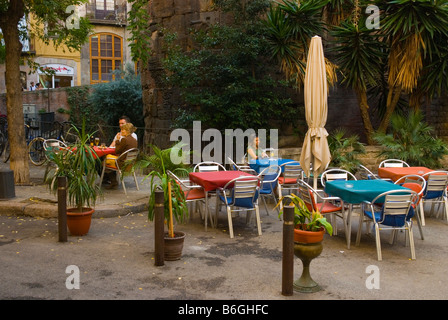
102	152
217	179
396	173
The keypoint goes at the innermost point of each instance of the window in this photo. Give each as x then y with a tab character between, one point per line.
105	56
105	9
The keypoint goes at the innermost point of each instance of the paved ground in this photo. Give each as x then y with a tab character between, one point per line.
115	260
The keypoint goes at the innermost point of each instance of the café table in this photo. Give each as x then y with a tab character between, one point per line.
395	173
260	164
211	181
101	152
354	192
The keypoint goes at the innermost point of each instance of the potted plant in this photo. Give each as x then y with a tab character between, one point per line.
309	230
175	205
309	226
78	163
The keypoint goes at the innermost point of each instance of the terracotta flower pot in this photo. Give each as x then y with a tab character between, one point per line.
79	222
303	236
174	246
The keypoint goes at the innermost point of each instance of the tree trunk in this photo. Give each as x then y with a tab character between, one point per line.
392	101
14	106
364	108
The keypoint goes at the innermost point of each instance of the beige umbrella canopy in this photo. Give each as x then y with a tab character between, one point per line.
315	150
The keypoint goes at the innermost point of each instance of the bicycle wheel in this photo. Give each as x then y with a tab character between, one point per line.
3	141
36	151
6	154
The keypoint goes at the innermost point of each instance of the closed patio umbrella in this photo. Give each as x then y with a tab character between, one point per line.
315	150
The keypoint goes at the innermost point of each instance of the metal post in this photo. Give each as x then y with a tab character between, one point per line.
288	251
159	228
62	209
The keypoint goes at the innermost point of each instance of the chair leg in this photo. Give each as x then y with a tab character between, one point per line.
257	213
358	235
136	183
411	239
265	205
419	222
378	242
102	174
422	212
229	218
119	176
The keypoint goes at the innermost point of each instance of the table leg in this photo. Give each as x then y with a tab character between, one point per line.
348	227
206	209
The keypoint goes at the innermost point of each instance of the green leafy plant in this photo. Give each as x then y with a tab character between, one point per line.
345	150
79	164
412	140
160	162
304	219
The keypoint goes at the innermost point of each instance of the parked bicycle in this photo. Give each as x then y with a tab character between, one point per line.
35	140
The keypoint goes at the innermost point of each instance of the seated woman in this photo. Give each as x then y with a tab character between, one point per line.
126	142
253	153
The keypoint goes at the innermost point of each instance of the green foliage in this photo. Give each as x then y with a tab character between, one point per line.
140	34
345	150
78	164
160	162
412	140
359	54
304	218
122	96
226	78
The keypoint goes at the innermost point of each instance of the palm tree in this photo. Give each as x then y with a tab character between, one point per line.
359	55
290	27
410	29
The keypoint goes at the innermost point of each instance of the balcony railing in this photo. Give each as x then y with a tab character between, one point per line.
116	16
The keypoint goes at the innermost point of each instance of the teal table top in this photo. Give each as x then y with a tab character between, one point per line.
357	191
259	165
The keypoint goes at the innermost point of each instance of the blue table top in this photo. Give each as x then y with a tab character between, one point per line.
357	191
259	165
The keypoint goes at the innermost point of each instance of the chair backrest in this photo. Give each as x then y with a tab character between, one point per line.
336	174
128	156
412	179
393	163
395	203
269	178
307	194
366	174
233	165
436	182
292	170
54	145
243	190
208	166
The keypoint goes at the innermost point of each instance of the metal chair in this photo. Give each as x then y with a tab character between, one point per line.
393	163
241	195
241	167
336	174
193	193
207	166
366	174
325	205
269	183
129	156
418	184
436	190
391	210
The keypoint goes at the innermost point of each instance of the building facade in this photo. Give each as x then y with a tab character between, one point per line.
106	50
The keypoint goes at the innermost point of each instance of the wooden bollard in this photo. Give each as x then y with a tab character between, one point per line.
62	209
159	228
288	251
